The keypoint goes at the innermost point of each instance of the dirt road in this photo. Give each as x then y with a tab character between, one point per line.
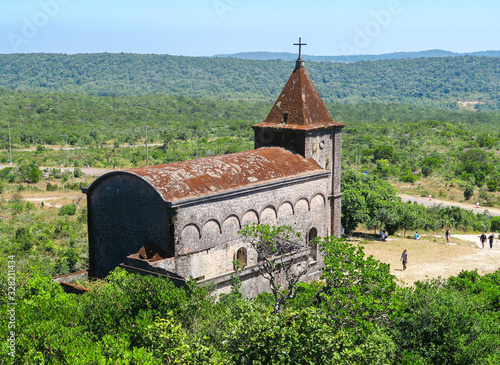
87	171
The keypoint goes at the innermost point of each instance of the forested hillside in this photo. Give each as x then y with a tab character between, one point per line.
394	141
429	81
286	56
43	118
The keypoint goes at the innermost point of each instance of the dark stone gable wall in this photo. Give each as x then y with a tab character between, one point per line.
124	213
207	232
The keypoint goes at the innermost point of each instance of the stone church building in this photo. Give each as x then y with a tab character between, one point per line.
181	220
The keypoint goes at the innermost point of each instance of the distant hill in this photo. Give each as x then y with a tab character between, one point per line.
263	56
439	81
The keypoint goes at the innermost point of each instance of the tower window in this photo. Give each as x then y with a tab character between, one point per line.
285	118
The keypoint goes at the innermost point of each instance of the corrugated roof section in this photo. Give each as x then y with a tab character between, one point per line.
211	175
299	105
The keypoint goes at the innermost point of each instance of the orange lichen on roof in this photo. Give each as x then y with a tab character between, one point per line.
299	105
211	175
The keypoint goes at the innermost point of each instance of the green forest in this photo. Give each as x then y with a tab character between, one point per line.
423	81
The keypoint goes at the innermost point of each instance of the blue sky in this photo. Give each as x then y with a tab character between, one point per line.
208	27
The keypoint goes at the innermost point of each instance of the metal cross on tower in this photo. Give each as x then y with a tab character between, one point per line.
300	44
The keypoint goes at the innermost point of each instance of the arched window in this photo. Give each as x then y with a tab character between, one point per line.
313	233
241	255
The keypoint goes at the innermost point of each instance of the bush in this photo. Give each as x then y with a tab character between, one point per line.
74	185
495	224
68	209
409	178
52	187
77	172
492	185
4	173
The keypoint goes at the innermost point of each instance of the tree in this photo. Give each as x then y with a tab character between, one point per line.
384	152
475	160
484	140
495	224
363	196
282	256
358	289
35	174
468	192
426	170
480	178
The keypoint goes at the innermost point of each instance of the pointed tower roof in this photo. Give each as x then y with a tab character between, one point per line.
299	105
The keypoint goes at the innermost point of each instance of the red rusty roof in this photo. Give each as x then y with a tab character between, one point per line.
299	105
211	175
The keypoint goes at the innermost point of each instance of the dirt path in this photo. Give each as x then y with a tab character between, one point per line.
430	257
56	201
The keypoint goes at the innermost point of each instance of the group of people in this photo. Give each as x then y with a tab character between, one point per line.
490	238
447	235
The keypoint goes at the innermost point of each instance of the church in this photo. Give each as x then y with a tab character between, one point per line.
181	220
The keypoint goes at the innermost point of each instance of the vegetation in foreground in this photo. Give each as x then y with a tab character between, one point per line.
355	315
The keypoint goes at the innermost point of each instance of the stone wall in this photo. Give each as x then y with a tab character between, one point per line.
124	213
207	237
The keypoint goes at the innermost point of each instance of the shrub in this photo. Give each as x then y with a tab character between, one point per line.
77	172
425	193
68	209
492	185
52	187
495	224
409	178
443	325
4	173
74	185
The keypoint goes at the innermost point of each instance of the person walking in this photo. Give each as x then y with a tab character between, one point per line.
447	235
491	237
482	238
404	258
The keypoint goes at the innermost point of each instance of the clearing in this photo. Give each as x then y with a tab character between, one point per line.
430	257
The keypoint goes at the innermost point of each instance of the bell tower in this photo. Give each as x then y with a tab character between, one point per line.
300	122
